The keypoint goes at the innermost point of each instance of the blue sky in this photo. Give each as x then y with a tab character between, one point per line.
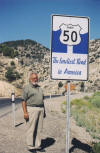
31	19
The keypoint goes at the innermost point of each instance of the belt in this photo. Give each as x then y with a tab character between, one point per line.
32	105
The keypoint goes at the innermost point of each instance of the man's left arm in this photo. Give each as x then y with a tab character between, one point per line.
24	103
24	106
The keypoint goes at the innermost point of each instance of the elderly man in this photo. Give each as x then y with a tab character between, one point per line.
33	107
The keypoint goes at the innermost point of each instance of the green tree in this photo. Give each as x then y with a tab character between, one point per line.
16	53
60	84
17	75
12	63
7	51
96	148
22	62
12	75
0	48
82	86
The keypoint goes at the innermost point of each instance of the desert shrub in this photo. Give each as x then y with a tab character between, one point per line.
60	84
7	51
16	53
27	55
96	148
96	94
80	103
12	75
12	63
1	48
86	97
63	107
82	86
22	62
86	112
17	75
90	81
95	99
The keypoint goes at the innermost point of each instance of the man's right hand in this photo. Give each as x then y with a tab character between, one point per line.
26	116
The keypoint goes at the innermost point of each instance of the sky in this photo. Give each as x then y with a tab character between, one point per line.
31	19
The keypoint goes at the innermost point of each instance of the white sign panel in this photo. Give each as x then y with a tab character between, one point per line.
69	47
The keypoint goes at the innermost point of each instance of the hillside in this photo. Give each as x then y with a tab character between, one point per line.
28	55
93	83
31	56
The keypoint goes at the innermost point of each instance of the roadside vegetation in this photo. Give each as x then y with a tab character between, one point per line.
8	51
86	112
11	74
96	148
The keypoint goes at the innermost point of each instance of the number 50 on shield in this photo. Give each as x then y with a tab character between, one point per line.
69	47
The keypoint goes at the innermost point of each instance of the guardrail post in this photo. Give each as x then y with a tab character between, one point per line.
50	96
13	107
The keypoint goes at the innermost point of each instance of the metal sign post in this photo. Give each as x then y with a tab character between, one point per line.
68	118
13	107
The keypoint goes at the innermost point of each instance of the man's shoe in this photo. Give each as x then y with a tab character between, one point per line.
41	150
32	150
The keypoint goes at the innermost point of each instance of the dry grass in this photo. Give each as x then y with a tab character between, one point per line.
86	112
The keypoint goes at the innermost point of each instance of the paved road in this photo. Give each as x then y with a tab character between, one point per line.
6	106
5	102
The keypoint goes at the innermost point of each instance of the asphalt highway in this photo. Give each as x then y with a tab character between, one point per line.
5	102
6	106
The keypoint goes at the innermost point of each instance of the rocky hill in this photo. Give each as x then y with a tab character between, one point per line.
30	56
25	56
93	84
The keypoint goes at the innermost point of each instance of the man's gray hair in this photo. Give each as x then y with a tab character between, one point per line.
30	74
33	72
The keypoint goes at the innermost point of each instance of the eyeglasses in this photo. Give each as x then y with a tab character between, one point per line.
34	78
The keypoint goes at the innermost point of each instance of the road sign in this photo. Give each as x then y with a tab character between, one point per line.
69	47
